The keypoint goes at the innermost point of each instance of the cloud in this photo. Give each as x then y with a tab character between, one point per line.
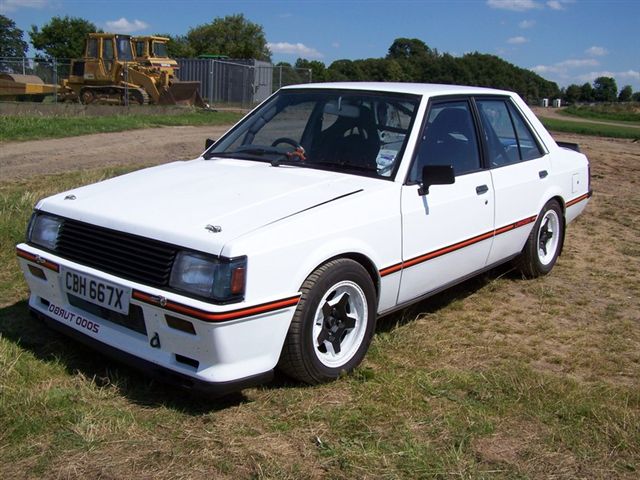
294	49
527	23
123	25
562	68
514	5
335	44
558	4
596	51
626	76
517	40
13	5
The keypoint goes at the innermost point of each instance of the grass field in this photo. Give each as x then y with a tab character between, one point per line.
595	129
499	377
14	128
619	112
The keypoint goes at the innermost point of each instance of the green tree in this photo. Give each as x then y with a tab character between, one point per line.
233	35
605	89
11	42
178	46
572	93
318	70
62	37
625	94
635	97
586	93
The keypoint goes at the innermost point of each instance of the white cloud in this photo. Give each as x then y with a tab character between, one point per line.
335	45
527	23
558	4
517	40
621	77
596	51
123	25
514	5
294	49
13	5
562	68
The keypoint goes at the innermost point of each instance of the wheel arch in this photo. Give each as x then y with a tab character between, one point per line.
363	260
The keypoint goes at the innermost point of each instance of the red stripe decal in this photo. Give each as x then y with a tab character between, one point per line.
37	259
456	246
579	199
216	317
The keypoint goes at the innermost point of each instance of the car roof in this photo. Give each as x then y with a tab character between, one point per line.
426	89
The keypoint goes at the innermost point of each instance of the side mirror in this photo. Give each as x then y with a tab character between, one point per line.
208	142
435	175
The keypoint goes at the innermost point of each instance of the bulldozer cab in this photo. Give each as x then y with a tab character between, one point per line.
103	60
152	51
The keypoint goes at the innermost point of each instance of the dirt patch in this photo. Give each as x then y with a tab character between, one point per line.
136	147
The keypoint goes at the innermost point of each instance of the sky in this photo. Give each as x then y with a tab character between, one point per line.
566	41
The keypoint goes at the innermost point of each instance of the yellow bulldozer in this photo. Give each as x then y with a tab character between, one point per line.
109	72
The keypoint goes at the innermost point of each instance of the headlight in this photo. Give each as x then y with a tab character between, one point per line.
219	279
43	230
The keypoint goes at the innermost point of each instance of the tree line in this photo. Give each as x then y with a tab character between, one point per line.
407	60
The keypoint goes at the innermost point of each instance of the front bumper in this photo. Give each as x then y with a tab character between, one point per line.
179	340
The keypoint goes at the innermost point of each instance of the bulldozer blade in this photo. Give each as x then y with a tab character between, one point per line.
182	93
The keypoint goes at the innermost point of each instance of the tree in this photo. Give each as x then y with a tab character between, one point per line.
318	70
586	93
11	42
572	93
233	35
635	97
625	94
605	89
178	46
62	38
409	49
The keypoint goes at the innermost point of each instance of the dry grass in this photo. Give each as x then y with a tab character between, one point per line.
498	377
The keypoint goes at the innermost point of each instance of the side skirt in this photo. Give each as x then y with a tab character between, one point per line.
402	305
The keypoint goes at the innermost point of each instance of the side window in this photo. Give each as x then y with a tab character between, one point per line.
449	138
92	48
108	49
529	148
139	49
507	136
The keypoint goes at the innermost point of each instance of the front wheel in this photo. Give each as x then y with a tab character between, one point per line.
544	243
333	323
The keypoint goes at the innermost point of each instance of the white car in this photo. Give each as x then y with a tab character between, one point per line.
326	207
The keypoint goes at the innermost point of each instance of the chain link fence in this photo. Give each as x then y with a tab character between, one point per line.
238	84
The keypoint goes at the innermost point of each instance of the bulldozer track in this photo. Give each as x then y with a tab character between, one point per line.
113	94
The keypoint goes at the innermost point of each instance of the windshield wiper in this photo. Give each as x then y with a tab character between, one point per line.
255	151
346	166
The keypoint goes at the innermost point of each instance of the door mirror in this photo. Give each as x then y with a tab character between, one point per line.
435	175
208	142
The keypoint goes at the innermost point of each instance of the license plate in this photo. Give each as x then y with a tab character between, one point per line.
96	290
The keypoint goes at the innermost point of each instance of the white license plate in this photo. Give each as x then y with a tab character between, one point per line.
96	290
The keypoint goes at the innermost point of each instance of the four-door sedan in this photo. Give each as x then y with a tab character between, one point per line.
326	207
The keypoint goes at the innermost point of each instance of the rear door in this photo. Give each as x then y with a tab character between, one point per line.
519	172
446	234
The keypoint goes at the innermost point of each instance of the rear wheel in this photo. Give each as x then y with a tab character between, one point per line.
333	324
544	243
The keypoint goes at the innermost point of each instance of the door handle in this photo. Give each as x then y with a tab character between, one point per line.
543	173
482	189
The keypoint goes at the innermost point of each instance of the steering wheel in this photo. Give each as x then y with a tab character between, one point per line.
287	140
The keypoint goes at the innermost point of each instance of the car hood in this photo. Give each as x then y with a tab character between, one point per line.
182	202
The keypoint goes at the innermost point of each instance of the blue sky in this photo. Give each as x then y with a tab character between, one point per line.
567	41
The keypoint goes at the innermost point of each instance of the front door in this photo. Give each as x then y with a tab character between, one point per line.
447	233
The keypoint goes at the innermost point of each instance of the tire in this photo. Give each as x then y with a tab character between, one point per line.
333	324
544	243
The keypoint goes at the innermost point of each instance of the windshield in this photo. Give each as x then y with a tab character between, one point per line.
124	48
348	131
160	50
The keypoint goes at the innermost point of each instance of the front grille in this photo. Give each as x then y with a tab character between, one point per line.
128	256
